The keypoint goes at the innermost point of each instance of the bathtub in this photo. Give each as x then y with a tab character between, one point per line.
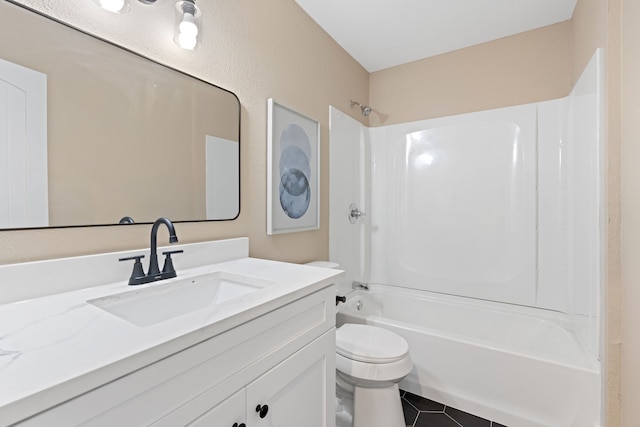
519	366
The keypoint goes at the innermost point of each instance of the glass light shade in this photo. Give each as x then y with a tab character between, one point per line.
115	6
187	29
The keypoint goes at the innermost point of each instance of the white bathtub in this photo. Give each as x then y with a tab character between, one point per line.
519	366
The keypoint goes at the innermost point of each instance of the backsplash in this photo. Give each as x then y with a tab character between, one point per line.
35	279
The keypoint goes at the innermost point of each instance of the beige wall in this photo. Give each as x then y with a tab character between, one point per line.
589	31
527	67
596	23
306	70
630	196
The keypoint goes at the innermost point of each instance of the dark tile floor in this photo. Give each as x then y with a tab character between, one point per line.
422	412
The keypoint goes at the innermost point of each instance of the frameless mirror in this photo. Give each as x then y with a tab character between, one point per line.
91	133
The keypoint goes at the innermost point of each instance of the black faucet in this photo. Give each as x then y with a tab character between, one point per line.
153	257
138	276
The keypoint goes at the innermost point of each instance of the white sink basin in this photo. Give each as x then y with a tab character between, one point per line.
160	302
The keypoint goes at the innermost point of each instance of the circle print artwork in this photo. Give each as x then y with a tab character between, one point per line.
295	169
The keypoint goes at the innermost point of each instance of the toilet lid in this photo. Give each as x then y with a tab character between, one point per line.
370	344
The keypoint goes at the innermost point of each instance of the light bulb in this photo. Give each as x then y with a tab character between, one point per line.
187	41
115	6
188	26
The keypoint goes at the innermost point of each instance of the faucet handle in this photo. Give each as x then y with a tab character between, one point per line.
137	275
355	213
168	271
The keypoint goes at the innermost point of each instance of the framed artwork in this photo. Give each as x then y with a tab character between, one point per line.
293	167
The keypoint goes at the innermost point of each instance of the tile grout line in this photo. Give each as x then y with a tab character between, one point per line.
444	411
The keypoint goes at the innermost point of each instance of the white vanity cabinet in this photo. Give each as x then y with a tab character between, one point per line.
284	359
295	390
229	413
292	394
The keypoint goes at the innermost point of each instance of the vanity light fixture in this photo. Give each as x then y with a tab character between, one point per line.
187	24
115	6
119	6
187	21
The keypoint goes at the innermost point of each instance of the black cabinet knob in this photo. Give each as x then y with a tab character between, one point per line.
239	425
340	298
262	410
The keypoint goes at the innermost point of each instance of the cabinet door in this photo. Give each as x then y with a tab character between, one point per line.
226	414
300	391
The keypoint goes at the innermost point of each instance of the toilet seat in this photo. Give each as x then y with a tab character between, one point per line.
370	344
373	374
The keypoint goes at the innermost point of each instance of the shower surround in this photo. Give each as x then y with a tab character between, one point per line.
504	205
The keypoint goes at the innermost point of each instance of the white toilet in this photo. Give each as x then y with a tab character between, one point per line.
370	362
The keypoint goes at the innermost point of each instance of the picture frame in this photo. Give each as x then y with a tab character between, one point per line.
293	170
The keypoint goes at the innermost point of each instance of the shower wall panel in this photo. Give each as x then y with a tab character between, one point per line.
586	215
505	205
349	160
455	203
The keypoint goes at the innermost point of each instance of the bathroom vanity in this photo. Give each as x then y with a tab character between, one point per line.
232	340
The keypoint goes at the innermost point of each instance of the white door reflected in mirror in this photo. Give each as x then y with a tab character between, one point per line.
221	163
23	144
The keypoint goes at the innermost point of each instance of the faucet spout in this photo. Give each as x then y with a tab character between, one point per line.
154	270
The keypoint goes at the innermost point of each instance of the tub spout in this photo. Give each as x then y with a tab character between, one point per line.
360	285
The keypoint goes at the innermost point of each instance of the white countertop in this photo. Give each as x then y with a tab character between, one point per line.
59	346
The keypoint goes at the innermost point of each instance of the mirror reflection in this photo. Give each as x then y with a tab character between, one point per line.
94	134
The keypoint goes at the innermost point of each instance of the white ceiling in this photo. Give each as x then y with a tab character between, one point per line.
383	33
